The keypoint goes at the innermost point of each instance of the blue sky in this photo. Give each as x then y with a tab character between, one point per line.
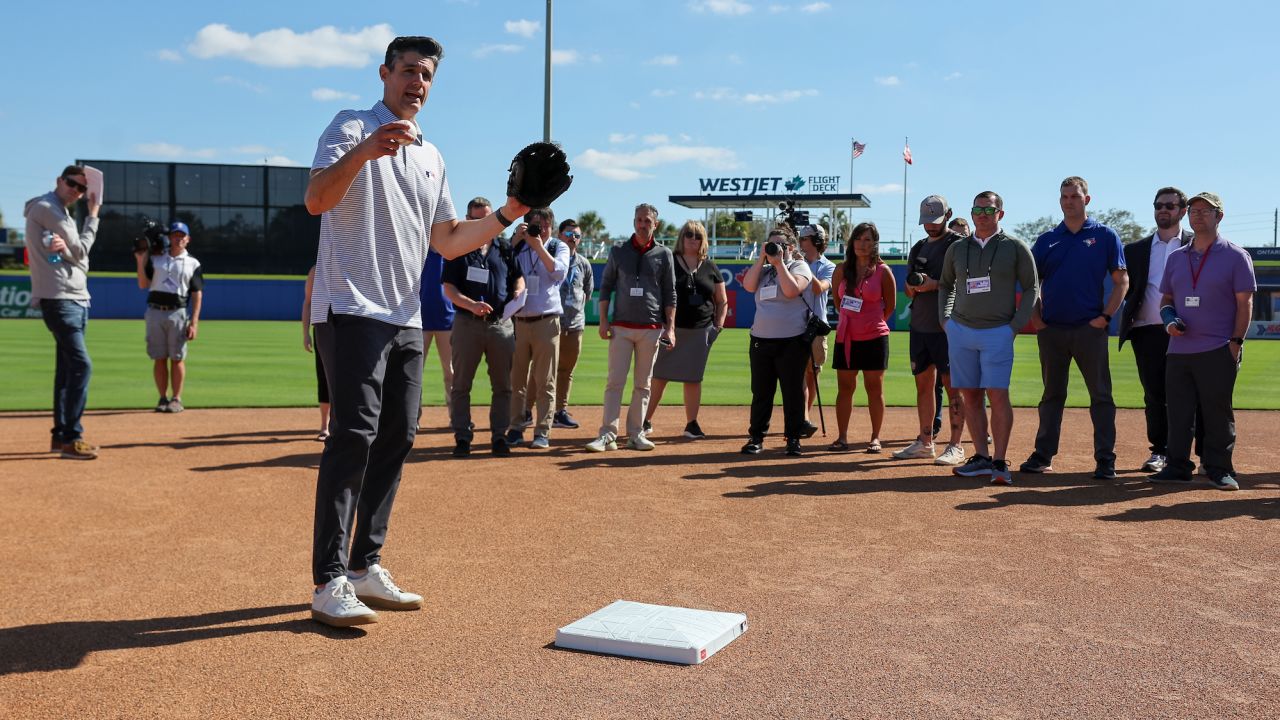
651	96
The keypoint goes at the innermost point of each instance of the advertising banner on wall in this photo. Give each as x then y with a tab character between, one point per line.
15	297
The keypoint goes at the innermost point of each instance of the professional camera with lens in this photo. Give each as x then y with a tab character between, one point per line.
533	230
917	276
153	238
772	248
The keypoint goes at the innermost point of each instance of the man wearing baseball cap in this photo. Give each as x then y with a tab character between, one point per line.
813	244
929	352
175	283
1207	302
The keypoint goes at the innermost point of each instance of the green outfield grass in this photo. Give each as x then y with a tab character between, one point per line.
262	364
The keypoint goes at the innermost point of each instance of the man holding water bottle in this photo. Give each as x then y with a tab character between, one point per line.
58	255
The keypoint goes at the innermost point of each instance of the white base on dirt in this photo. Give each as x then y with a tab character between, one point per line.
653	632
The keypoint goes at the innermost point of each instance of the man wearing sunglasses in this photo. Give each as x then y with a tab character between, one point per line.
1073	321
981	313
381	191
575	293
58	255
1140	322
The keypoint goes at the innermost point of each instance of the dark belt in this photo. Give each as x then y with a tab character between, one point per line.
536	318
170	308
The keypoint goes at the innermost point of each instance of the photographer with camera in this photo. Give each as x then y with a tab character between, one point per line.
544	261
58	255
930	364
866	294
778	351
175	281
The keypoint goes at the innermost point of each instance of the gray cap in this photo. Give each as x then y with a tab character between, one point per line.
811	230
1211	198
933	210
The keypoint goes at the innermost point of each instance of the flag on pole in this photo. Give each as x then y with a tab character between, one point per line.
858	148
906	153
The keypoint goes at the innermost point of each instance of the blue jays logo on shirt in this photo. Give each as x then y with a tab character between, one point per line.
1088	242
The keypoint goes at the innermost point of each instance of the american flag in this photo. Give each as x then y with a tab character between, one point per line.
906	153
858	148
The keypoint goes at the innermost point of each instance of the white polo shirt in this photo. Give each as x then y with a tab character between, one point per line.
373	243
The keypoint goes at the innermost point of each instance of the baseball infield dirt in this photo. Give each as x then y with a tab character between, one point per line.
170	578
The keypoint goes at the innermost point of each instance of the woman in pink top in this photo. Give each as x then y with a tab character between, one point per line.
866	294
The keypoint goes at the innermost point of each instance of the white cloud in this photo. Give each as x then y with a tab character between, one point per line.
486	50
735	58
663	60
282	47
616	138
716	94
953	76
656	139
277	160
566	57
240	82
660	93
774	98
889	81
624	167
252	150
329	95
173	152
523	28
884	189
816	7
169	55
686	138
776	9
721	7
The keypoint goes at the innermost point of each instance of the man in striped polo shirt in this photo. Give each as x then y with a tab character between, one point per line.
383	197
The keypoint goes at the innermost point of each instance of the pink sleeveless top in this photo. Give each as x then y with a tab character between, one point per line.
867	324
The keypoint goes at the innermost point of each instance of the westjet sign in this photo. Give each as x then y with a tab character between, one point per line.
770	185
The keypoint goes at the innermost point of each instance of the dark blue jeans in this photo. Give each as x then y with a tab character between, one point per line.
67	320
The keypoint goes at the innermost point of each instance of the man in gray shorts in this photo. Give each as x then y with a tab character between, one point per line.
176	282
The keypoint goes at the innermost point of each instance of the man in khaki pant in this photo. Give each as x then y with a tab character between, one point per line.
543	262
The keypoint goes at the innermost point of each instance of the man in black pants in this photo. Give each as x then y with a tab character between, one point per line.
384	201
1140	322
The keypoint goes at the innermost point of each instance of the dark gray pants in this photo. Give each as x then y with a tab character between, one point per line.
1206	379
1088	347
374	371
1150	346
475	338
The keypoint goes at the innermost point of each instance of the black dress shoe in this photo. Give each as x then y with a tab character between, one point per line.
793	447
753	447
461	448
808	430
1169	475
501	448
1104	471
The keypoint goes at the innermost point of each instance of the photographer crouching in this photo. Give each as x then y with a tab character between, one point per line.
175	281
778	351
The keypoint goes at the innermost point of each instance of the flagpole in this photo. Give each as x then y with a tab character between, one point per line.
851	142
905	165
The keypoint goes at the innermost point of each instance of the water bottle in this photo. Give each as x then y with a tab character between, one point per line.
47	237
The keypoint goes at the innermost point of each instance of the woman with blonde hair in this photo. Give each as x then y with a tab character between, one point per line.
701	307
866	294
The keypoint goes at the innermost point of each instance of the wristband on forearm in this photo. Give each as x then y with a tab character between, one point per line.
501	219
1168	315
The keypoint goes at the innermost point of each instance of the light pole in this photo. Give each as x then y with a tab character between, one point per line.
546	91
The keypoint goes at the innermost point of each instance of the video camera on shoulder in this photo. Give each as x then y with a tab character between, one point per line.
153	238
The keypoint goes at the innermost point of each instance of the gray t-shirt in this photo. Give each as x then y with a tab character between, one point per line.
927	257
778	316
822	269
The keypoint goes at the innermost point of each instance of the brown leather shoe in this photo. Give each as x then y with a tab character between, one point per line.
79	450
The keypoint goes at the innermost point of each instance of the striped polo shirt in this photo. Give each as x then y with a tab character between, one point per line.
374	242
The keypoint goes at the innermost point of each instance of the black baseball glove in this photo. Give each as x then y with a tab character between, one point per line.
539	175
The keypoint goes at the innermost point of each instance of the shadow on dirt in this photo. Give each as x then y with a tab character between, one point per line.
64	645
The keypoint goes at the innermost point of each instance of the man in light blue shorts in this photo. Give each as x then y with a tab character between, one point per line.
981	313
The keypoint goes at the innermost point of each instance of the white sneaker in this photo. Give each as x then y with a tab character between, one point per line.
378	589
953	455
915	450
1155	463
640	442
336	604
603	443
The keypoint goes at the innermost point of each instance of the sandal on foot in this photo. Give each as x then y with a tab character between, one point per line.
874	447
838	446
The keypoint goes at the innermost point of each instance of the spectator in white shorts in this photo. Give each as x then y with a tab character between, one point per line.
176	282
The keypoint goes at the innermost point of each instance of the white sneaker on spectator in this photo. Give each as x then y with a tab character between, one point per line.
336	604
953	455
603	443
1155	463
915	450
640	442
377	588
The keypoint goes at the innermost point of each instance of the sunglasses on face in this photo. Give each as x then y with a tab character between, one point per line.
1167	206
572	234
691	234
75	185
985	210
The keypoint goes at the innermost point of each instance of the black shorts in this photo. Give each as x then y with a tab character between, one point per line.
863	354
929	349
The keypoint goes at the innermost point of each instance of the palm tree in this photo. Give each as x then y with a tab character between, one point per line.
592	225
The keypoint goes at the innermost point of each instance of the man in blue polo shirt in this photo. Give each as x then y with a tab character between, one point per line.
437	317
1073	320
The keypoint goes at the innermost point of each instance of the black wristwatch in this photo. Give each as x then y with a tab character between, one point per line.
1108	317
1238	340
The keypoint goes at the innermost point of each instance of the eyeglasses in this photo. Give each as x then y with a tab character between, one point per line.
691	234
992	210
1168	206
1203	211
75	185
572	234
